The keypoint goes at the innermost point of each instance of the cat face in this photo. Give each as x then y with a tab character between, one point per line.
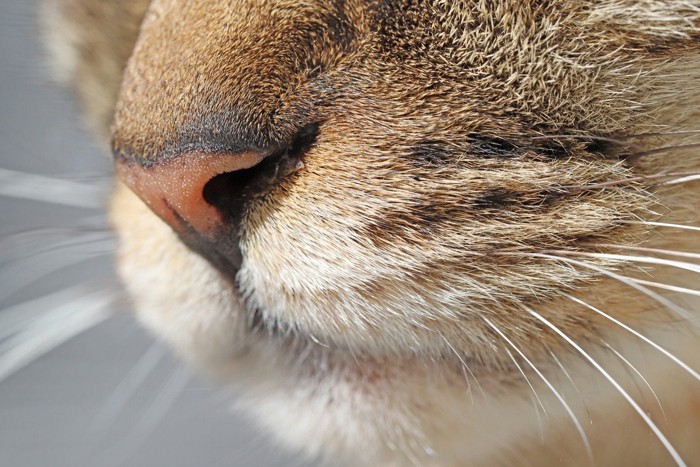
372	182
376	184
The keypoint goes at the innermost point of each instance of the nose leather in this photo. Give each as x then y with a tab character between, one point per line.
174	189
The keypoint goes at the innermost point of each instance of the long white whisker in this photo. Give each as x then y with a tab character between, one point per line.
466	367
14	279
568	376
683	254
637	259
128	386
659	434
665	224
155	413
527	380
551	387
19	317
638	373
53	329
662	300
689	178
563	369
641	336
84	243
673	288
50	190
29	238
536	400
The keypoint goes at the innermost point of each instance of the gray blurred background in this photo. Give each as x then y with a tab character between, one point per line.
108	396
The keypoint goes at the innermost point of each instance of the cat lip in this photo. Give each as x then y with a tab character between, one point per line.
225	256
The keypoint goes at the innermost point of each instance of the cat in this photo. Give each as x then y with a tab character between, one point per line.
428	233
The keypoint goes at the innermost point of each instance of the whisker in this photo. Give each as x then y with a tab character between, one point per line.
662	300
609	139
673	288
689	178
25	243
568	376
621	139
40	234
16	318
536	399
563	369
664	133
638	373
660	251
51	190
664	224
101	241
155	413
641	336
612	183
128	386
527	380
465	367
637	259
551	387
623	181
659	434
55	327
663	149
16	278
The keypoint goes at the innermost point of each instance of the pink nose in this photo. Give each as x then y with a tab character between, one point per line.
175	189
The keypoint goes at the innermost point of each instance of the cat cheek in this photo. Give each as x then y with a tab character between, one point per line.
176	293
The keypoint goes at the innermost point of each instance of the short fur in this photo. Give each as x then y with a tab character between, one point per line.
476	164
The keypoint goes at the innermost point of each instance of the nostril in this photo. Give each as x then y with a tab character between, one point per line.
230	191
226	189
220	189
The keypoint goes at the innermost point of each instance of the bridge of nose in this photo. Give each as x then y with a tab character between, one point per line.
216	76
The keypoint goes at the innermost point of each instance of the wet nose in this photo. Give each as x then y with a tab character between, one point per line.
204	196
190	191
